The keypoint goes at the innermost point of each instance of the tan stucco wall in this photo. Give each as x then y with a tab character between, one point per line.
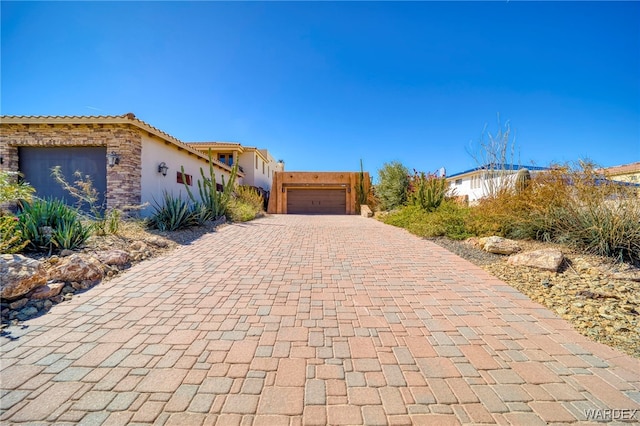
282	181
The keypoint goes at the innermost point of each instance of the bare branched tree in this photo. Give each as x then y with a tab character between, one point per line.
495	154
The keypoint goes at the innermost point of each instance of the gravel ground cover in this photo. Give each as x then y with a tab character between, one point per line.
588	291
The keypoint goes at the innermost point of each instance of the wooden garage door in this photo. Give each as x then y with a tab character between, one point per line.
316	201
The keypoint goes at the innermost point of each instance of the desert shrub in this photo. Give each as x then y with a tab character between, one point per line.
171	213
393	182
246	204
426	191
240	211
572	205
11	236
49	223
12	190
449	220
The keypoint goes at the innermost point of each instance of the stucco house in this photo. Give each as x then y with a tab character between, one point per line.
256	165
473	184
623	173
129	161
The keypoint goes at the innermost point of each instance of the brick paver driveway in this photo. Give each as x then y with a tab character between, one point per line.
310	320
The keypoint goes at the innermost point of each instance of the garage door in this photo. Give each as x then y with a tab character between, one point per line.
36	164
316	201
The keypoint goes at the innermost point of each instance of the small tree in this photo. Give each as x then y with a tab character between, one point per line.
393	182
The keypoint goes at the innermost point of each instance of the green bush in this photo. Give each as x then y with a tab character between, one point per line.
11	190
171	214
11	237
245	205
449	220
49	223
393	183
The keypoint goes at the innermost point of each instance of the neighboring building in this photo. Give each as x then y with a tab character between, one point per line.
623	173
256	165
314	192
474	184
144	160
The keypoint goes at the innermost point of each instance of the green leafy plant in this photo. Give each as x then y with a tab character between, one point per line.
393	183
449	220
12	190
427	191
246	204
11	236
215	201
51	223
171	213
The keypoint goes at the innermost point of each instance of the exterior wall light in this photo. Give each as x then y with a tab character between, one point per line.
113	159
162	168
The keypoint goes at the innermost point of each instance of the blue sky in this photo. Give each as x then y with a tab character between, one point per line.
322	85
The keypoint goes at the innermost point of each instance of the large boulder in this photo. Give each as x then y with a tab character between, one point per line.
548	259
19	275
499	245
47	291
77	268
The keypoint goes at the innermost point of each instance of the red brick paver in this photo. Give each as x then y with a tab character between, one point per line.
309	320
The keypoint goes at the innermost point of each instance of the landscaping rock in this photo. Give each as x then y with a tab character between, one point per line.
157	241
47	291
114	257
365	211
499	245
546	259
19	275
77	268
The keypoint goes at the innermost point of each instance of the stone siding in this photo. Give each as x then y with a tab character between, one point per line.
123	180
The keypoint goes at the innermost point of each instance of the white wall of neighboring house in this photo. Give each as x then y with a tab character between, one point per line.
478	184
156	151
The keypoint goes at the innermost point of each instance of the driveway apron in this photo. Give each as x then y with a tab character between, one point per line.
313	320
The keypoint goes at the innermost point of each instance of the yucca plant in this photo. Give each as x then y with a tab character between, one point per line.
171	213
49	223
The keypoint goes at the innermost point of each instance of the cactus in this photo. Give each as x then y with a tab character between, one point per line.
361	190
428	191
215	201
523	179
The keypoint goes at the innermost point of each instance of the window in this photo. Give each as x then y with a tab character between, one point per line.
187	179
256	163
222	158
458	181
263	167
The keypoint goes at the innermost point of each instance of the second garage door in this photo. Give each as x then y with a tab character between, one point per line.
316	201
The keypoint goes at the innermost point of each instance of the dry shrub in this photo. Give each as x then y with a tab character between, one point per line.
573	205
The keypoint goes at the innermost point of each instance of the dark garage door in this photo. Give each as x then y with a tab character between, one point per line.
36	164
316	201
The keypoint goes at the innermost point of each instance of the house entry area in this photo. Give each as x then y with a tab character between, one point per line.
316	201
